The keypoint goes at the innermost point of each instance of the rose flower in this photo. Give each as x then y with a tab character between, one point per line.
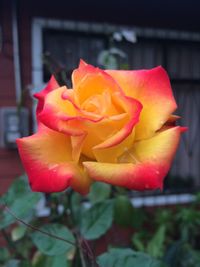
114	126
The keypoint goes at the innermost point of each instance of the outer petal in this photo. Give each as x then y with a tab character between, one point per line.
81	183
152	88
47	159
111	154
52	84
151	160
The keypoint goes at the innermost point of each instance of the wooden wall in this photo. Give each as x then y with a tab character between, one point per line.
10	165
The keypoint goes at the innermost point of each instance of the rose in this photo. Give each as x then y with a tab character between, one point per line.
113	126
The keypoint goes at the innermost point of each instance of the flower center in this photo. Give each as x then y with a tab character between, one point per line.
100	104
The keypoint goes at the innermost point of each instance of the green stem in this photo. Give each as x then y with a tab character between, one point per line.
36	229
82	256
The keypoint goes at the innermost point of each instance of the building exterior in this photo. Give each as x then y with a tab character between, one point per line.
41	37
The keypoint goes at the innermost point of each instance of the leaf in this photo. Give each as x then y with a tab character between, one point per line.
76	207
138	218
18	232
17	263
181	254
18	187
97	220
123	211
99	192
137	242
20	199
12	263
22	207
49	245
4	255
127	258
56	261
156	245
51	261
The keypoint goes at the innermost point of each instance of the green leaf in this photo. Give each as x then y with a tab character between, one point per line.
137	242
51	261
18	232
97	220
99	192
156	245
4	255
18	187
17	263
49	245
127	258
76	207
22	207
183	255
123	211
20	199
12	263
56	261
138	218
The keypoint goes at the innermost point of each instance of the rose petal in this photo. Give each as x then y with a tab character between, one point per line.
113	130
77	144
111	154
96	82
101	131
89	81
152	88
61	114
81	182
150	161
133	108
52	85
47	159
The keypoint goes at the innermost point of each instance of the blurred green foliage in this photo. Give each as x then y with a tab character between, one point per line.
163	237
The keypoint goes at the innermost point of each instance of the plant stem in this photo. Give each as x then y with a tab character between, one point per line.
36	229
82	257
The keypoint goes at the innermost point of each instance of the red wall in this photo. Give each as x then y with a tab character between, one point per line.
10	165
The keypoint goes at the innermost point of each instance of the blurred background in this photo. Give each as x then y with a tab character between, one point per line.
38	38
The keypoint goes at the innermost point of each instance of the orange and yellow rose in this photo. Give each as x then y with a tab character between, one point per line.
113	126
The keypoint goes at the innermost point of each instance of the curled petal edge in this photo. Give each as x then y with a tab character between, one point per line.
148	172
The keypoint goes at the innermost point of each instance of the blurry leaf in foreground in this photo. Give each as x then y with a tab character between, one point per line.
156	245
20	200
181	254
123	211
22	207
18	232
41	260
127	258
99	192
12	263
51	246
4	255
97	220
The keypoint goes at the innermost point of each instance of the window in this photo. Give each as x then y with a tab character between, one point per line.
62	50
